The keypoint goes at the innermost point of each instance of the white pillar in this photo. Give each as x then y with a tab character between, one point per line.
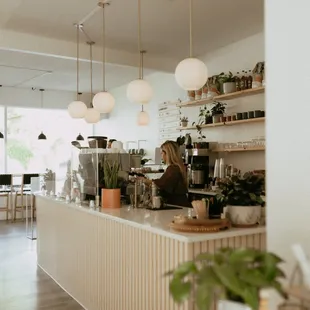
288	126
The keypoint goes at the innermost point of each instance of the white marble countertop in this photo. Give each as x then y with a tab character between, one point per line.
156	221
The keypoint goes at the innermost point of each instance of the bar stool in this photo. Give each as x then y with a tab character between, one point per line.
6	180
26	180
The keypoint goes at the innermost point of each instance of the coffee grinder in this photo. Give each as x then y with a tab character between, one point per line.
197	162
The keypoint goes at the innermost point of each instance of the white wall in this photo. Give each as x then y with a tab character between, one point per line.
288	149
122	124
241	55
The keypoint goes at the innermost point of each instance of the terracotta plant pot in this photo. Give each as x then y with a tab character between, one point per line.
184	124
111	198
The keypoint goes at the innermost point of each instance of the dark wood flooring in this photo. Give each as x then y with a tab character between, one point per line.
23	285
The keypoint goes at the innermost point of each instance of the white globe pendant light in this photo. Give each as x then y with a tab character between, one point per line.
77	109
139	90
143	118
103	101
191	73
92	116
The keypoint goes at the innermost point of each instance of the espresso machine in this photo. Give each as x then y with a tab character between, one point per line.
197	163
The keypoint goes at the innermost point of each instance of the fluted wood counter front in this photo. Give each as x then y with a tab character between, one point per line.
115	260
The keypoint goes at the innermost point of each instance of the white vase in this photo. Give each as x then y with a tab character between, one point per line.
231	305
229	87
216	118
244	215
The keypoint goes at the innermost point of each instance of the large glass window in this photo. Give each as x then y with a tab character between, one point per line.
2	147
27	154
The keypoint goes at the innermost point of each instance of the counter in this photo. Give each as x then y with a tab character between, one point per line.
115	259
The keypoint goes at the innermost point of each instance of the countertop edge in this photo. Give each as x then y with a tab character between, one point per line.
234	232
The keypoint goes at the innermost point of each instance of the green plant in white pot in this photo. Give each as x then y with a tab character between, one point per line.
228	82
242	196
229	274
217	111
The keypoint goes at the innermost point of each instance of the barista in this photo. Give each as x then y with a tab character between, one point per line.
173	183
110	143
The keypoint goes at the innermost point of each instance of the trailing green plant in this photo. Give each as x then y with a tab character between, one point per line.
226	78
111	170
218	108
243	190
231	274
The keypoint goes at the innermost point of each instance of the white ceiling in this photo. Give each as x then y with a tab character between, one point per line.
29	70
165	32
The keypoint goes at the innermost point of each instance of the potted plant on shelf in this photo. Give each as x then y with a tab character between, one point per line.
184	121
217	111
236	275
242	196
111	193
49	181
228	82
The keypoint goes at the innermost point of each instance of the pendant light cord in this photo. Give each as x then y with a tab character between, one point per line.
77	60
42	90
190	28
91	69
103	49
139	41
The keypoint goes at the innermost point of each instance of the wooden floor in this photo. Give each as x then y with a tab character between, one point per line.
23	285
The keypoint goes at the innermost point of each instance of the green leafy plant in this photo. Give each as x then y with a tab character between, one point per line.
231	274
243	190
49	175
226	78
111	170
218	108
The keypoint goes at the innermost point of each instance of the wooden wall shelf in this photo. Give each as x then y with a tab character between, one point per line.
246	149
232	123
231	96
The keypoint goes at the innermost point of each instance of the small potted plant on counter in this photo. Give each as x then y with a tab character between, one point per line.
184	121
228	82
111	193
242	196
217	111
236	275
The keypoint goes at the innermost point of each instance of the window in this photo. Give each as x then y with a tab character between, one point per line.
2	147
26	154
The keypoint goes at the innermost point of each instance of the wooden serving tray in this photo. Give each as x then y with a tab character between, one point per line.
201	226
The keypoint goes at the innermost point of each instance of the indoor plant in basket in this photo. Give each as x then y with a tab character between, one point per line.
111	193
229	274
228	82
217	111
242	195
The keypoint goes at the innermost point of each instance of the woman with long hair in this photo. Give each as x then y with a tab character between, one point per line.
173	183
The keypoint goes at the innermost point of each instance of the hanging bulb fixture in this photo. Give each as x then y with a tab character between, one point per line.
143	118
79	138
92	116
139	91
191	73
42	136
77	109
103	101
